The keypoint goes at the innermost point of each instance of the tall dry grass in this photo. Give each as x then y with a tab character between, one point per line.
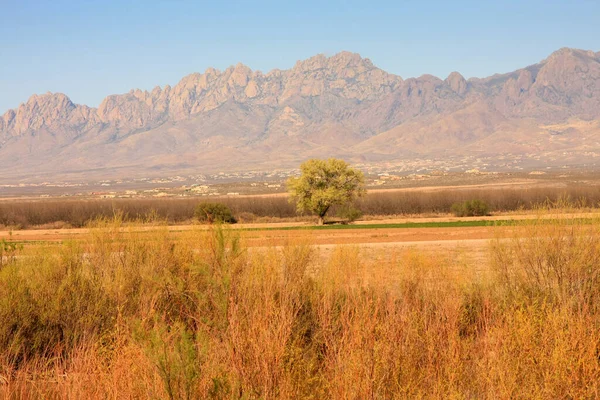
125	315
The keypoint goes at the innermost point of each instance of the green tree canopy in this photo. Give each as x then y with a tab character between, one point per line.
325	183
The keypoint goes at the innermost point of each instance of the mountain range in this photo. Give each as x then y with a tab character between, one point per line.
342	106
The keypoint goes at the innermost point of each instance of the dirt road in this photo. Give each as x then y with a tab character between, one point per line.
276	234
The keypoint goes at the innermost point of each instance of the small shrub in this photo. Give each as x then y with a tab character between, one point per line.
470	208
458	209
247	217
214	212
9	250
349	213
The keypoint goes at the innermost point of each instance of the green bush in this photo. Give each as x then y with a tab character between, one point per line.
470	208
214	212
349	213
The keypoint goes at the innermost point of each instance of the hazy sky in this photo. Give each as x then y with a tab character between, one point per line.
89	49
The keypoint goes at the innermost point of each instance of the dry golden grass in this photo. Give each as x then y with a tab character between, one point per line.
131	315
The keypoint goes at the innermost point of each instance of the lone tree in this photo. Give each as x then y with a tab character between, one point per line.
325	183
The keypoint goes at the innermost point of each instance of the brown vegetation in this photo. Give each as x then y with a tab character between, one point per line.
126	315
75	213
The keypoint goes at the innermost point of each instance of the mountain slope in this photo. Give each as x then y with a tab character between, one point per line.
338	106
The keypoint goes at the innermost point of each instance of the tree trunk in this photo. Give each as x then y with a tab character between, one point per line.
322	215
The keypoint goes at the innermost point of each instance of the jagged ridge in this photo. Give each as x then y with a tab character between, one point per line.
340	105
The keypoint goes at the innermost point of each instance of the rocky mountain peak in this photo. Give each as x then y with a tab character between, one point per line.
8	116
340	61
42	110
350	60
53	112
311	64
7	120
239	75
570	71
457	83
562	52
567	55
567	52
49	100
346	74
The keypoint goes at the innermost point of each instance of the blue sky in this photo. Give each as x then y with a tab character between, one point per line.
89	49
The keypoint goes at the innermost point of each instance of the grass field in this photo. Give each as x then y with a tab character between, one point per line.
405	225
126	311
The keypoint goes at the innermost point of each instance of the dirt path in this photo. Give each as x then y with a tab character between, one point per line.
275	236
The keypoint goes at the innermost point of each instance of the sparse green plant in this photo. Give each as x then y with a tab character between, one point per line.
349	213
9	250
470	208
214	212
173	350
